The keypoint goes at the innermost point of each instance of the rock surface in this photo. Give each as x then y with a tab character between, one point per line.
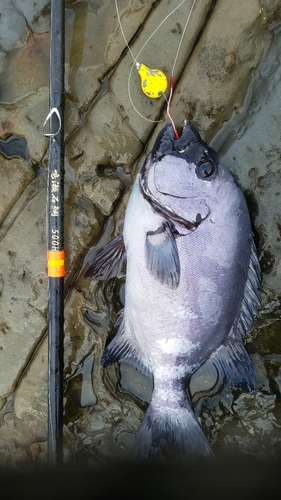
228	82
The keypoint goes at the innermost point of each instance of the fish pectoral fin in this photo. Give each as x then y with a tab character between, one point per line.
162	257
109	262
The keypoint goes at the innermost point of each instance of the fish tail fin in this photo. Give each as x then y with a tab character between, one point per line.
173	432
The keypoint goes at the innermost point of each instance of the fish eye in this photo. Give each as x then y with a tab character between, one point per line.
205	169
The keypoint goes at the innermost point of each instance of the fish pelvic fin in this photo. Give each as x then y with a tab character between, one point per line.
109	262
122	348
171	433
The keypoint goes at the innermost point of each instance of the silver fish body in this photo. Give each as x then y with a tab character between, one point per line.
192	285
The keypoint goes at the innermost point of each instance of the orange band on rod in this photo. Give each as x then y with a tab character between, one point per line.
56	267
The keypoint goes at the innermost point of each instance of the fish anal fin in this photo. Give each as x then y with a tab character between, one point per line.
234	365
162	257
109	262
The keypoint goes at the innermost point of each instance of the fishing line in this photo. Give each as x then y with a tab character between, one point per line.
154	82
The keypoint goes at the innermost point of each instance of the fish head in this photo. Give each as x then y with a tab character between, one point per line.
184	177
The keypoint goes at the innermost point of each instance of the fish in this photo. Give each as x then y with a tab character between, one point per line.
193	287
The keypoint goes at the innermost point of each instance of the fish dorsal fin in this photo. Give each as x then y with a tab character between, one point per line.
162	257
231	359
122	348
252	296
109	262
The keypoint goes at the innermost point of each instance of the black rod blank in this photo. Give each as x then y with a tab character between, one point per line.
56	269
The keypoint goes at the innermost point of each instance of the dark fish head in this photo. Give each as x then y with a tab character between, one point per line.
183	176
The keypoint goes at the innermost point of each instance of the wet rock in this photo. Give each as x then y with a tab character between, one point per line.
12	27
14	147
21	443
103	193
15	175
107	431
271	12
96	44
32	64
34	14
25	118
31	394
80	338
251	149
224	60
17	19
139	111
244	422
30	404
23	299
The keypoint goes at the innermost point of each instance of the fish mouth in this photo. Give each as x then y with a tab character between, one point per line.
190	146
163	209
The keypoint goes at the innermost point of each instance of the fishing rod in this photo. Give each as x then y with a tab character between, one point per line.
56	267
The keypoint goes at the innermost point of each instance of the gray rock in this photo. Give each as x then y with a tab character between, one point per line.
24	292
